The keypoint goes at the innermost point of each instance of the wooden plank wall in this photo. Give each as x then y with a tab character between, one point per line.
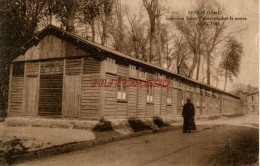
110	99
132	101
73	66
157	101
90	104
174	101
218	106
51	84
195	100
16	96
204	112
122	71
48	47
179	100
91	65
201	104
52	47
32	68
141	102
163	101
214	101
169	110
198	97
211	104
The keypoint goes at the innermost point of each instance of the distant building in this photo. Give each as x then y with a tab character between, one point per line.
253	102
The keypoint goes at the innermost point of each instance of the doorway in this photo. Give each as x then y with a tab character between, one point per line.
31	95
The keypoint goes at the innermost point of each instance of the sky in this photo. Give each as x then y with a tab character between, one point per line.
249	71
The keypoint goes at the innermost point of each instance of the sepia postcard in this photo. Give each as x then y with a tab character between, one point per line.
129	83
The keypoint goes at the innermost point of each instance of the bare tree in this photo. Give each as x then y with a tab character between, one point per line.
213	35
193	34
181	55
136	36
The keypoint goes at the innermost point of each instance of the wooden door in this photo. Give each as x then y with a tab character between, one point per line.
72	95
31	95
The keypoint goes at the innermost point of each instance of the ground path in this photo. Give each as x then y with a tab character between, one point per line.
208	146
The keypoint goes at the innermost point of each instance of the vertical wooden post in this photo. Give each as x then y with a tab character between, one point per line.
10	88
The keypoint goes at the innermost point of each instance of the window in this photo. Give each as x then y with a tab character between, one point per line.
149	96
142	74
169	96
132	71
121	90
18	69
158	76
111	66
252	98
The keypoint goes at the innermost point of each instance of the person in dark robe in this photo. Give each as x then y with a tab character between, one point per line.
188	114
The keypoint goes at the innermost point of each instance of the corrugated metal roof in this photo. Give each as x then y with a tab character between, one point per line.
52	29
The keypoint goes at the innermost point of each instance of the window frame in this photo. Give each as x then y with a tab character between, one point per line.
111	66
142	74
169	95
132	71
18	69
123	89
149	94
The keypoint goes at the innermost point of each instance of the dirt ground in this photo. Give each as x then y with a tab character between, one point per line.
42	137
213	144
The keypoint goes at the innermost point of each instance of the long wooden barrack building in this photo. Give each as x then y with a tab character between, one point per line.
54	74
